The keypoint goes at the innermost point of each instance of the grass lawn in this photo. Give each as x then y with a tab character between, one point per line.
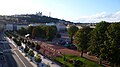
87	63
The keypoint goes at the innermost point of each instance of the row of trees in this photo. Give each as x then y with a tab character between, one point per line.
105	42
45	32
31	53
18	40
102	41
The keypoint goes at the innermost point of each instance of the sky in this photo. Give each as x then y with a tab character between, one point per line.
84	11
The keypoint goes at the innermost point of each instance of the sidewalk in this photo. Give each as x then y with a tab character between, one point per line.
46	61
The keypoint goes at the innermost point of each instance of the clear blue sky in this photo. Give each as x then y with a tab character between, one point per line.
64	9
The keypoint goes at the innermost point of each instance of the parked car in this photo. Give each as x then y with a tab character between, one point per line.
1	53
61	42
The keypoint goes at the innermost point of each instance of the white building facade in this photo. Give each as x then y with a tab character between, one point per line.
12	27
61	27
8	27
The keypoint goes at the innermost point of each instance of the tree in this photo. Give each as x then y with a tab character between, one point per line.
38	58
37	46
22	31
43	31
32	45
25	41
54	28
97	38
28	43
71	31
31	53
30	29
21	39
33	33
18	43
111	51
15	40
50	32
26	49
81	39
39	32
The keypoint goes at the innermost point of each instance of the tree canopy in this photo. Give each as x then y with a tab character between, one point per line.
111	51
71	31
31	53
81	38
104	42
47	32
22	31
38	58
98	37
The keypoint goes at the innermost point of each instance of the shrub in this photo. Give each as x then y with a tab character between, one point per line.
71	61
78	63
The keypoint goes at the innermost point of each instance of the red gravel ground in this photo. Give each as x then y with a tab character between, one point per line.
57	50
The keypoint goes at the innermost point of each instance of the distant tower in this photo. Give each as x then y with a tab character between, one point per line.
49	14
39	13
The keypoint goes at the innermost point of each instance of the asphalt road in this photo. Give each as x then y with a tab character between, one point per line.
13	57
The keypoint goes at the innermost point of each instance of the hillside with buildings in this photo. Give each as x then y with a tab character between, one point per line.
16	22
30	18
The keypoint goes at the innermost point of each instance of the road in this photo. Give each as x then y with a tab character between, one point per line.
13	57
